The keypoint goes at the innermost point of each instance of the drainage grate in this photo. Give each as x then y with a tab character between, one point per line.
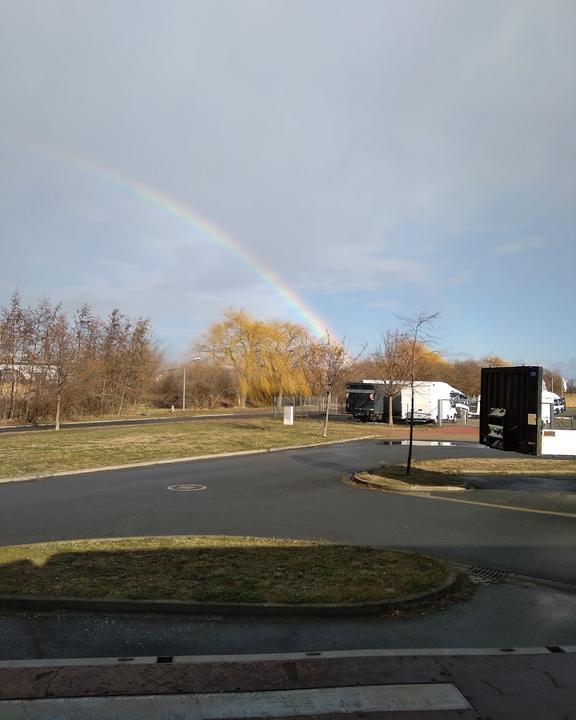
485	576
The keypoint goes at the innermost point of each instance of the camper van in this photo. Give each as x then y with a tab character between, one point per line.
366	401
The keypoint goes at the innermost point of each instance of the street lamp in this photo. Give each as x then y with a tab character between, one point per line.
184	383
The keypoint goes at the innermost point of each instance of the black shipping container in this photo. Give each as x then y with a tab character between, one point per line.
511	408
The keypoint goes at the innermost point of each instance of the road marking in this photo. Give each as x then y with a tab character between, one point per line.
514	508
225	706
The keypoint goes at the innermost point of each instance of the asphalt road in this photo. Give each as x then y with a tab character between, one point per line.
499	616
133	421
293	494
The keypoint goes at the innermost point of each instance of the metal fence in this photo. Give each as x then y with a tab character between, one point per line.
310	407
315	408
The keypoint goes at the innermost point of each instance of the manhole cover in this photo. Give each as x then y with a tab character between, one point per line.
189	487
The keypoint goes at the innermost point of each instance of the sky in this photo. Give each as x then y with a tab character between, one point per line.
335	163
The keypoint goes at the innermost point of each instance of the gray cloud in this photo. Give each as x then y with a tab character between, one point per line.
394	152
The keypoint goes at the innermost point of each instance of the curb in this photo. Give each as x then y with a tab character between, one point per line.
241	609
198	660
173	461
46	688
424	488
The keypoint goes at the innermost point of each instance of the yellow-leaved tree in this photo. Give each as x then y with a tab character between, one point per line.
284	360
265	358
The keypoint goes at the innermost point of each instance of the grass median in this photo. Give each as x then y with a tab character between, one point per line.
457	473
48	452
215	569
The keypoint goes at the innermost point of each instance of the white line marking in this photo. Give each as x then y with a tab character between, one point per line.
513	508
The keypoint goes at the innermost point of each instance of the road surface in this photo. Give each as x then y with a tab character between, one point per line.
294	494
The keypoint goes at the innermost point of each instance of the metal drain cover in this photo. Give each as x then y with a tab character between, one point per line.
187	487
485	576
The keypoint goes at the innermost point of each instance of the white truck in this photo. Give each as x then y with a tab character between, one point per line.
549	399
366	401
433	400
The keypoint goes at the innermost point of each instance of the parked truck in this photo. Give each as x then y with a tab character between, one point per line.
549	400
367	400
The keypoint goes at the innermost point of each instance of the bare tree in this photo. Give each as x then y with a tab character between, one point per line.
327	365
416	330
14	341
112	364
391	364
61	357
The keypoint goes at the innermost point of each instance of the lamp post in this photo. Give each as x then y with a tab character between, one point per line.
184	383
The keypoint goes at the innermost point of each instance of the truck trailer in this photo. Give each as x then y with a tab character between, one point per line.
552	404
367	400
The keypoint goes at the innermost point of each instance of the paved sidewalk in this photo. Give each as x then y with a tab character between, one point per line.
507	684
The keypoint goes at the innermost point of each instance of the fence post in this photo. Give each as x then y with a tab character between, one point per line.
439	413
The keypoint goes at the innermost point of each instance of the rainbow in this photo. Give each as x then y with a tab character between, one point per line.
202	227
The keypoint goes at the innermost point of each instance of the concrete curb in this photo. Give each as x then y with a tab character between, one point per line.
239	609
173	461
282	657
48	687
410	489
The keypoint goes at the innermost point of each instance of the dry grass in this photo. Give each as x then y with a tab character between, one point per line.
571	400
215	569
499	466
138	413
451	473
394	478
46	452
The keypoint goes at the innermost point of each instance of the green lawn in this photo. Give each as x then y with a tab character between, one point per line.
47	451
215	569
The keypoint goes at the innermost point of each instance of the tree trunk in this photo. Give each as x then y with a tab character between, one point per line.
390	416
57	419
102	395
121	401
12	394
411	440
328	398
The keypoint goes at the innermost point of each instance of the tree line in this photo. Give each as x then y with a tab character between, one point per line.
54	364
